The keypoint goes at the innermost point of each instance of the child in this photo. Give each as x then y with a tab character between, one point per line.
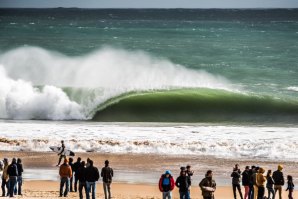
290	186
269	185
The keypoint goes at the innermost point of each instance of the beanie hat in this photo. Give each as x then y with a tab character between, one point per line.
168	172
280	167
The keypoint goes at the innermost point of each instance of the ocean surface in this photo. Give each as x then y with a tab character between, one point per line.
230	76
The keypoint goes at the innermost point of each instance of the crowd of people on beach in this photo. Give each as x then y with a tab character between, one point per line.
253	180
84	175
81	175
11	176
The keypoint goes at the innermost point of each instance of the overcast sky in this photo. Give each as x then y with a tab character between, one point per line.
150	3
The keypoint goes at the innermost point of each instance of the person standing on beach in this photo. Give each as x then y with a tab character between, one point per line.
189	173
75	168
290	186
5	178
261	179
71	178
251	183
65	173
245	182
18	190
269	185
254	181
236	175
208	186
92	175
107	174
12	172
61	153
279	180
81	174
166	185
183	183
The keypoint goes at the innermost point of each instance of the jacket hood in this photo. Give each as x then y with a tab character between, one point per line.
280	167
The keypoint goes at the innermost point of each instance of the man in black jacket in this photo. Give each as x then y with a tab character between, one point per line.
75	168
236	175
107	175
279	180
183	183
81	175
246	181
12	171
92	175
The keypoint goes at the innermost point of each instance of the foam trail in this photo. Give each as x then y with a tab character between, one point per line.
112	71
20	100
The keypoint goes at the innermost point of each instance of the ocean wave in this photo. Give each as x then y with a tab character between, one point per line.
37	75
292	88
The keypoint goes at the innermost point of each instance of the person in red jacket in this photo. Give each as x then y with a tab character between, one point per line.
166	185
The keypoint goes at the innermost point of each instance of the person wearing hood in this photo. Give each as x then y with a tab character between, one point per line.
261	179
183	183
245	182
208	186
92	175
5	177
65	173
279	180
166	185
18	190
12	172
236	175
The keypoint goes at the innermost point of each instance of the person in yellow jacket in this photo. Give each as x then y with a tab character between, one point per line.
5	177
261	179
65	173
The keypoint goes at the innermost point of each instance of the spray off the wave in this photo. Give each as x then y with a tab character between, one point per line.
105	74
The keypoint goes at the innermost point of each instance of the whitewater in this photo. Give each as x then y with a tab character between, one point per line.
32	81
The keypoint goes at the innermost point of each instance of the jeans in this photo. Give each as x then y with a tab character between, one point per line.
251	192
271	191
91	187
107	189
81	186
64	181
279	189
261	192
167	195
239	190
18	187
184	195
12	185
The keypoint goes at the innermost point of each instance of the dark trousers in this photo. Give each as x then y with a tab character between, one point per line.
208	197
3	187
76	183
12	185
251	192
60	158
81	186
18	187
237	186
261	192
271	191
184	195
71	184
291	194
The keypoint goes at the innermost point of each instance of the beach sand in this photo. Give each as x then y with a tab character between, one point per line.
152	165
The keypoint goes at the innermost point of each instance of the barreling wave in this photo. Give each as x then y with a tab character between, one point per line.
196	105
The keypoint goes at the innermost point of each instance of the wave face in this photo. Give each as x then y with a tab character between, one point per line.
197	105
32	84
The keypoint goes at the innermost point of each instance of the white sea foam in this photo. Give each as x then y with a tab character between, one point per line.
20	100
114	71
246	142
293	88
